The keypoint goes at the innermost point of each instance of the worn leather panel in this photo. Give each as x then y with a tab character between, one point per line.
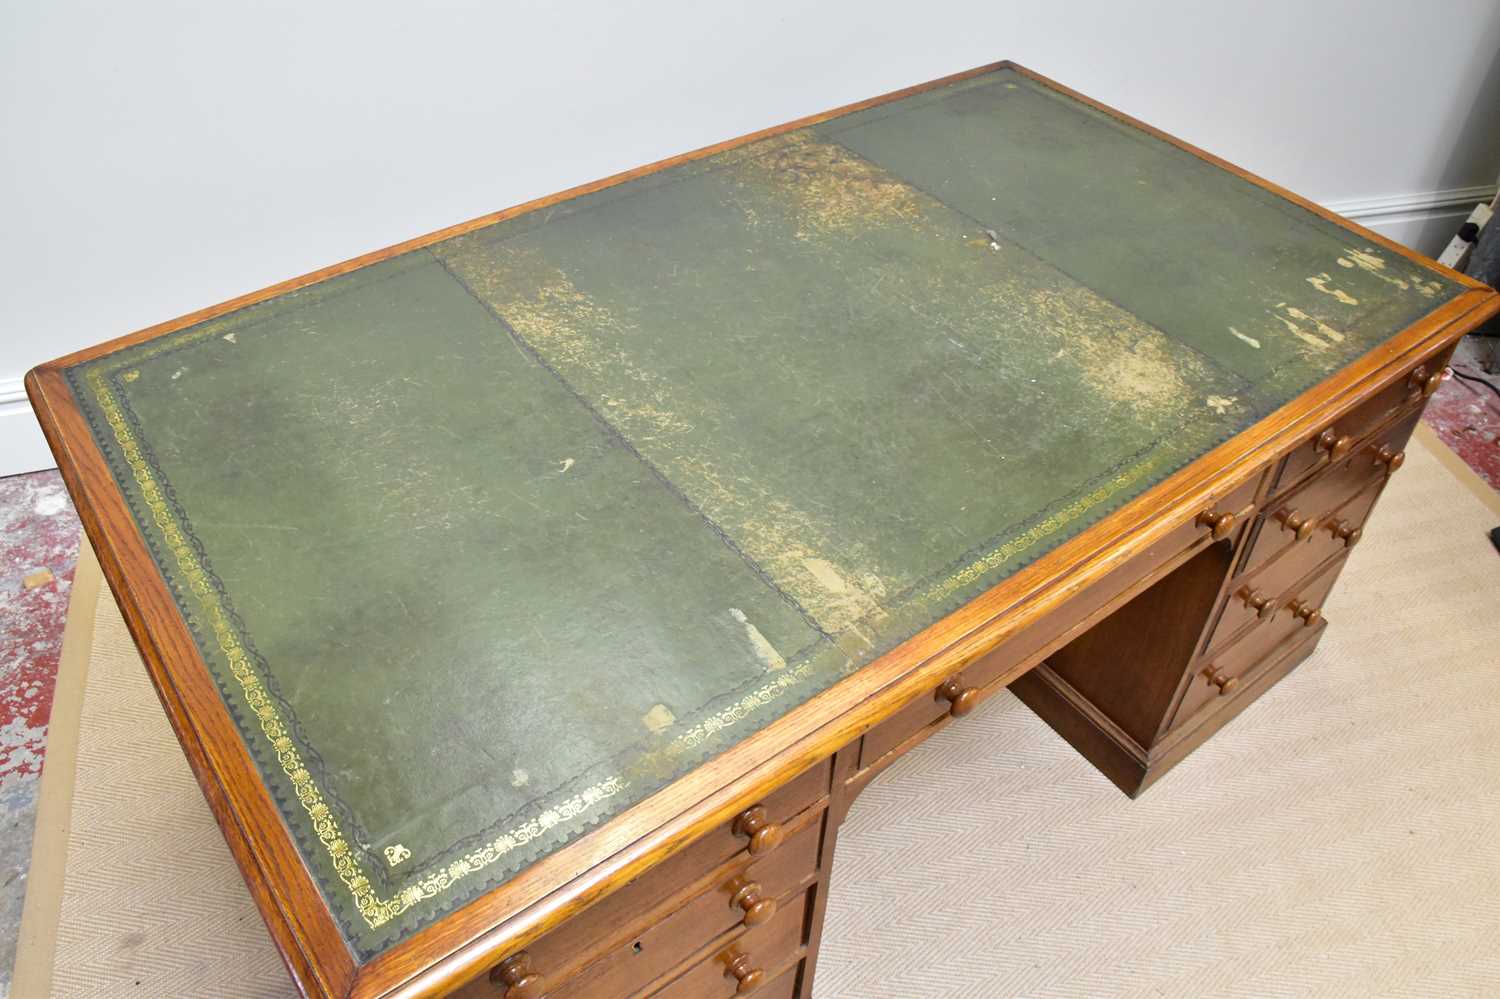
491	540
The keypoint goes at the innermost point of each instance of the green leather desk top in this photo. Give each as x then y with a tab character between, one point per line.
488	541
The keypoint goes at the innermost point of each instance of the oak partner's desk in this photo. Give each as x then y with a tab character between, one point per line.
531	598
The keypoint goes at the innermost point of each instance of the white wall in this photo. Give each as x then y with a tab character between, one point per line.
157	157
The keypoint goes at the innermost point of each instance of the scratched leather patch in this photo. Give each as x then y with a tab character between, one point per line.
489	541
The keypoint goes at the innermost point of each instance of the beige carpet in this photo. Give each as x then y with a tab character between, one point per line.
151	903
1341	838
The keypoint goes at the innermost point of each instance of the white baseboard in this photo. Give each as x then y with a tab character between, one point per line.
1422	220
1368	210
22	447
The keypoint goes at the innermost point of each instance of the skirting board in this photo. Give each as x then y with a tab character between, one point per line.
22	448
1424	221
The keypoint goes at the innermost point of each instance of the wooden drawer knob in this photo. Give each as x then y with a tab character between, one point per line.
517	979
1220	679
755	824
1346	532
1219	524
737	965
1257	601
961	699
749	898
1424	382
1305	612
1389	458
1334	445
1293	521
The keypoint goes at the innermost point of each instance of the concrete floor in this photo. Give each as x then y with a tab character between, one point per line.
39	535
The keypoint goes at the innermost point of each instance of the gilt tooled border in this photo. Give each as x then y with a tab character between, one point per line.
255	683
293	754
312	759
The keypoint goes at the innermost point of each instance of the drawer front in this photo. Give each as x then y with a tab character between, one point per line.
785	987
1339	436
1245	605
1291	526
1085	608
1222	518
1309	514
1221	674
748	900
765	950
901	726
592	933
1262	593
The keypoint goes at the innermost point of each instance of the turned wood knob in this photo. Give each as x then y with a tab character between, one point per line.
1293	521
764	835
749	897
1305	612
517	979
1423	381
1334	445
1219	524
1346	532
1257	601
961	699
737	965
1220	679
1391	459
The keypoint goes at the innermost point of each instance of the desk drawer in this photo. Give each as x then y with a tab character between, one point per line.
765	950
901	726
746	899
785	987
1221	674
1340	436
1309	514
594	932
1260	594
1089	606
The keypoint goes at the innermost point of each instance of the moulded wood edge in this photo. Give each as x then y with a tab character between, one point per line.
321	974
388	977
458	229
1193	486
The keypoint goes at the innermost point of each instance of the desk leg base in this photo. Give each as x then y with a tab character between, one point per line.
1132	767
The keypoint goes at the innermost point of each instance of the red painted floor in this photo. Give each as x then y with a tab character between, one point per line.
39	549
1466	414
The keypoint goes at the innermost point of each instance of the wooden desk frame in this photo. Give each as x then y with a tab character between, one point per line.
469	941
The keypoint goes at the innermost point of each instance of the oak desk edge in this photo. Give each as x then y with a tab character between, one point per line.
547	893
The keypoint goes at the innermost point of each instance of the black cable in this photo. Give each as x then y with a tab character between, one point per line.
1475	378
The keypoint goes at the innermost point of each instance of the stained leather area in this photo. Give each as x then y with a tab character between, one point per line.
489	541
